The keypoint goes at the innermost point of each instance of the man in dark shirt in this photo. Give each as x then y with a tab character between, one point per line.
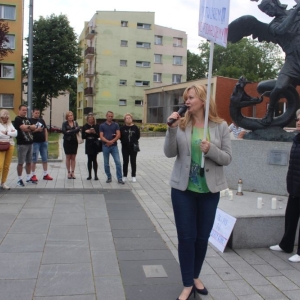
40	145
109	134
24	143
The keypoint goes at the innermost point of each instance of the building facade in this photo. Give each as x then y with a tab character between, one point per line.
124	53
11	11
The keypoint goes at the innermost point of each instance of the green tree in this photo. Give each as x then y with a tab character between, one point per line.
196	66
250	58
4	29
73	96
56	56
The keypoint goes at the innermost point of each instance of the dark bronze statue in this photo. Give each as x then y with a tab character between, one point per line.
283	30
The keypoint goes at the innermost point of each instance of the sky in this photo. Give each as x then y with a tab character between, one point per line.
177	14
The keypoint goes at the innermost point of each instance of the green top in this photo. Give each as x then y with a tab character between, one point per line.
196	182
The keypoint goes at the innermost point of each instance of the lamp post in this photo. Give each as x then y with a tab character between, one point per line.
50	115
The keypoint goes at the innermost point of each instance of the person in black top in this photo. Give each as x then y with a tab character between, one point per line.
70	128
90	132
130	135
24	143
40	144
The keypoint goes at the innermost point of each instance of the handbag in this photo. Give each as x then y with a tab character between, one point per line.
4	146
136	147
98	145
79	137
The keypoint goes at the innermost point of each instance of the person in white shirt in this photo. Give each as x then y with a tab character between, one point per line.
7	133
238	132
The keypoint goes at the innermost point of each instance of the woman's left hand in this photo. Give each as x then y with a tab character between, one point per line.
205	146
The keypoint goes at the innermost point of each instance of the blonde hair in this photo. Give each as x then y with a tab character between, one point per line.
128	114
68	113
4	113
91	116
201	92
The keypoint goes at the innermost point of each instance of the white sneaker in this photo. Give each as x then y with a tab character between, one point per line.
276	248
124	179
133	179
295	258
5	187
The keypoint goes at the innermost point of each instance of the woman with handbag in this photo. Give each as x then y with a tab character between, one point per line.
70	129
130	135
90	132
7	133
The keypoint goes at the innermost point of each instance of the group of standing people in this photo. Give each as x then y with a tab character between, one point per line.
32	139
109	133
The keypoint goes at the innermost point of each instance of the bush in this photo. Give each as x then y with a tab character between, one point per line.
160	128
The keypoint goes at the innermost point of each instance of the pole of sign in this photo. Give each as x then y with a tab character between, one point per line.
30	62
211	58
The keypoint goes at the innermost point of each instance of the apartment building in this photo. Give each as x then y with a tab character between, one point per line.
124	53
11	11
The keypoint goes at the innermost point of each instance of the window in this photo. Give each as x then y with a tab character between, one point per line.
122	102
158	40
123	82
141	83
157	77
11	42
177	42
145	64
177	60
6	100
124	23
157	58
143	26
123	63
138	102
176	78
142	45
7	71
7	12
124	43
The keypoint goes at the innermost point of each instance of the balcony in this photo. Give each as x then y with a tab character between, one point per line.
89	33
88	91
89	53
88	73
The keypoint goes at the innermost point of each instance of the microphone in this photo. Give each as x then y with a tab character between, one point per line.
181	111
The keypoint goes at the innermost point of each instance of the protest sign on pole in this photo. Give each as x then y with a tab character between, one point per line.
213	20
213	25
221	230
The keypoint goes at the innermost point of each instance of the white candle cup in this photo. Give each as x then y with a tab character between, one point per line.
230	195
259	202
274	203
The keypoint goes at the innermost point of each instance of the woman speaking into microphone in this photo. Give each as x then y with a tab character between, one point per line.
195	198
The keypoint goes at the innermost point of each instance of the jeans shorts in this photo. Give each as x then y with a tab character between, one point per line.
24	154
41	148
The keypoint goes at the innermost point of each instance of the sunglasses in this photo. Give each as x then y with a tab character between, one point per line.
297	119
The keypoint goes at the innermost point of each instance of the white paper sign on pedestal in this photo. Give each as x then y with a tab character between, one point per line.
213	20
221	230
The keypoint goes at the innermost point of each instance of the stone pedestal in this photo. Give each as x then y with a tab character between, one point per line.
251	163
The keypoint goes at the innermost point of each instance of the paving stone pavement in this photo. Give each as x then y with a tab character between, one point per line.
88	240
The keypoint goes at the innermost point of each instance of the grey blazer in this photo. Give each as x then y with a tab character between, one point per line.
178	144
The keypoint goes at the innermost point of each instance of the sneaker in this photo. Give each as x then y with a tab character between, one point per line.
20	183
124	179
32	181
133	179
47	177
295	258
275	248
33	178
5	187
121	181
108	180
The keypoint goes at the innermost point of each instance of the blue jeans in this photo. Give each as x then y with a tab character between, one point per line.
41	148
113	150
194	217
